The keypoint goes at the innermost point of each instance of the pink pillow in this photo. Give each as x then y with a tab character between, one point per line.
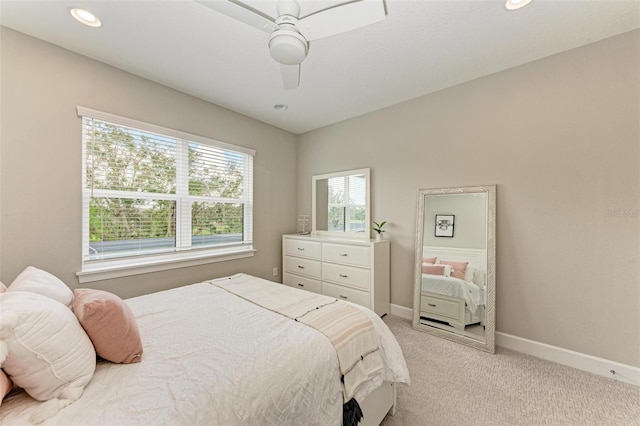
3	287
458	268
110	324
5	385
433	269
429	259
5	382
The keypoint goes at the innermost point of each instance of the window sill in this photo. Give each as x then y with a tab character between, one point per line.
123	268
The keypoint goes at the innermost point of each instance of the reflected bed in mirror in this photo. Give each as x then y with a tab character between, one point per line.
340	204
455	271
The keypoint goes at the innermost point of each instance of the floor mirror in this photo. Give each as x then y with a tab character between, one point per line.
455	280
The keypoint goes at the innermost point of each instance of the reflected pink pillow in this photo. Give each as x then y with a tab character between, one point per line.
5	385
433	269
3	287
458	268
429	259
110	324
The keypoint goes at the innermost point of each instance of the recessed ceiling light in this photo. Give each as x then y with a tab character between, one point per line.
85	17
516	4
280	107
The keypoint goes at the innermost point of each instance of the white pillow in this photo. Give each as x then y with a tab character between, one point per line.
470	274
50	355
38	281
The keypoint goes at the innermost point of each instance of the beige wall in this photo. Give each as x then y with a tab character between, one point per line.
41	170
560	137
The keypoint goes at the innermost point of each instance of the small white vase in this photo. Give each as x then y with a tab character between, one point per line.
379	236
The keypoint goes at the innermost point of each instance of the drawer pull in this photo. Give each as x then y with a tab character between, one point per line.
301	285
344	254
343	275
431	304
301	248
342	297
300	266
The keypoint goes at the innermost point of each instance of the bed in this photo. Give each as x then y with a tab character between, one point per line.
213	357
457	301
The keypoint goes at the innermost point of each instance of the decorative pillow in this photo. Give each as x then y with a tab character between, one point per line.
5	382
49	354
110	324
5	385
436	270
470	274
458	268
38	281
3	287
429	259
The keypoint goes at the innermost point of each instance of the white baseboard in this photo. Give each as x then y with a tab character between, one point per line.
401	311
603	367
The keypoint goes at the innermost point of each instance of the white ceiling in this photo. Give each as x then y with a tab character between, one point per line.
422	46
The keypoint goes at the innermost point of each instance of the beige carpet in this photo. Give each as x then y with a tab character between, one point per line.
452	384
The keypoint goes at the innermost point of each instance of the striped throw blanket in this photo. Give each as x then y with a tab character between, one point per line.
347	328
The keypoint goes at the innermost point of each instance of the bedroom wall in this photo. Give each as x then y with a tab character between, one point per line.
560	138
41	171
469	224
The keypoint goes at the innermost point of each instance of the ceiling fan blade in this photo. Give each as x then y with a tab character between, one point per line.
243	13
290	76
341	18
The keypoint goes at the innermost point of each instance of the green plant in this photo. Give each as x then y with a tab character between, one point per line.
378	226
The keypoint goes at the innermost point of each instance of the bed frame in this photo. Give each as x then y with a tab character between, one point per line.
378	403
451	309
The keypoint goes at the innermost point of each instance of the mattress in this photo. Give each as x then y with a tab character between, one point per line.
213	358
453	287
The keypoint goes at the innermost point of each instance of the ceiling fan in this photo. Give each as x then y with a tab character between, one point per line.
290	35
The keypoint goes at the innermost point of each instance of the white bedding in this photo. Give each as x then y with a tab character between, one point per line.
454	287
213	358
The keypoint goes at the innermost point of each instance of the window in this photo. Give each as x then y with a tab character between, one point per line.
347	203
153	195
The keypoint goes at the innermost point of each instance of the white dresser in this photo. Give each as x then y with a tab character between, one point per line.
347	269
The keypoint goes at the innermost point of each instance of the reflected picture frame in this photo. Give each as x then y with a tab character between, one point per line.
444	224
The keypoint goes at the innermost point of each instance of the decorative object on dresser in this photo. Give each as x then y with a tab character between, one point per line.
454	294
347	269
303	224
377	227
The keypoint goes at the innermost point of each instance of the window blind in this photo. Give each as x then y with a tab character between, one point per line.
150	190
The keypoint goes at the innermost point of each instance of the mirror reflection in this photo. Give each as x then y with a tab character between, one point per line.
341	203
455	277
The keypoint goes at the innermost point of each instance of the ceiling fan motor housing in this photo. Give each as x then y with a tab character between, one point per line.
287	46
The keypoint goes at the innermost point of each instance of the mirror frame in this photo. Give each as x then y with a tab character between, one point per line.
367	227
488	345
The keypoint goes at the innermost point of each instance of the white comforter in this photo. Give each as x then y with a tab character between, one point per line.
454	287
212	358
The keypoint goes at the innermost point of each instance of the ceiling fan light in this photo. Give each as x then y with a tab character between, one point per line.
287	47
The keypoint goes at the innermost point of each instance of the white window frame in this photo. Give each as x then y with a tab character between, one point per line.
102	269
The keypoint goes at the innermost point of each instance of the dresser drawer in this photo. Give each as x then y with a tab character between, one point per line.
348	294
302	282
352	277
348	255
301	248
442	307
306	267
